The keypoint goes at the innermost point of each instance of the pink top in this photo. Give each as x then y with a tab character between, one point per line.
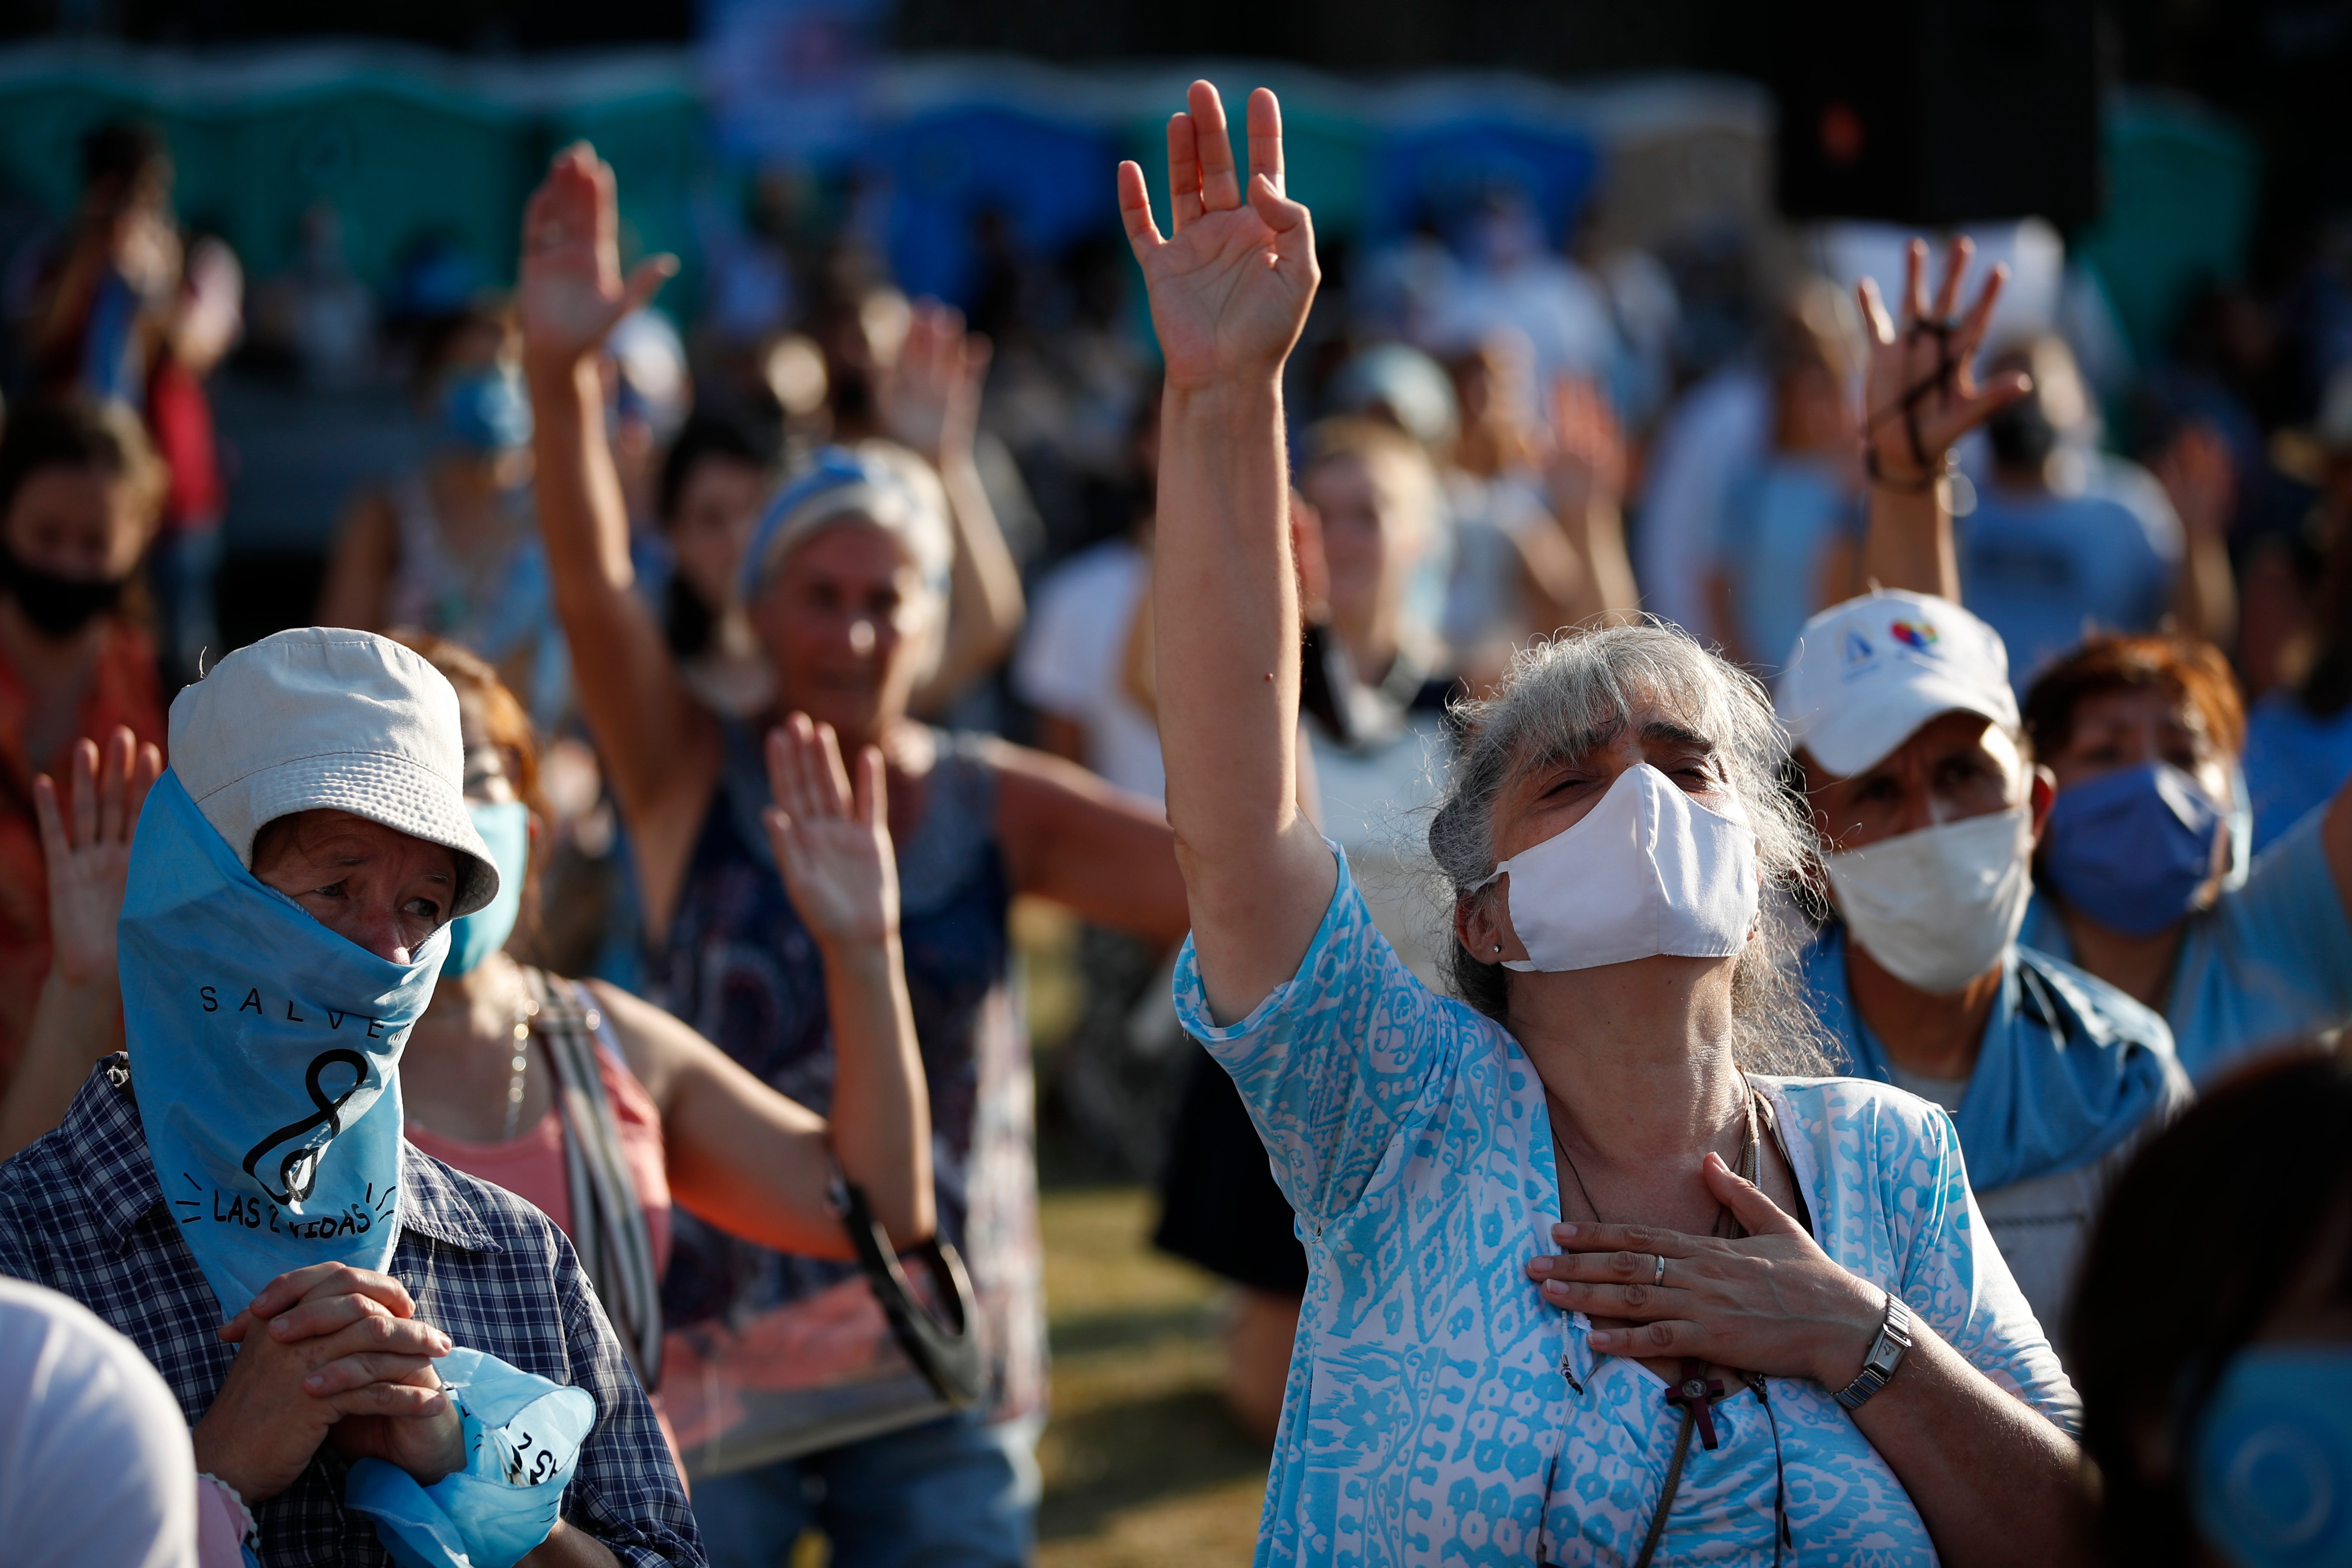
531	1166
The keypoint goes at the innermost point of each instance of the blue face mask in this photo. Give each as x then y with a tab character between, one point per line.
505	828
2271	1480
485	411
264	1051
2133	848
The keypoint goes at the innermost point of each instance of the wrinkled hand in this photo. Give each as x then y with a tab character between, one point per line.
1772	1303
1231	284
1585	456
339	1349
571	292
930	394
832	843
86	847
1919	392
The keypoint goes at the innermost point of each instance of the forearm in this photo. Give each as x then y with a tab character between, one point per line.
2205	595
73	1025
583	516
1908	543
566	1547
1607	566
985	586
881	1119
1225	616
1994	1482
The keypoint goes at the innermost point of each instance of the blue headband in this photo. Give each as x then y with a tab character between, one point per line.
840	482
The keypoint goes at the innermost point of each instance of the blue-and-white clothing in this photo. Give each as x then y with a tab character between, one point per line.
1430	1417
2071	1076
2270	960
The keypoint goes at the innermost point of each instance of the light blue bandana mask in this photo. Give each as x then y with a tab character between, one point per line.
485	411
505	827
2132	848
263	1050
2271	1476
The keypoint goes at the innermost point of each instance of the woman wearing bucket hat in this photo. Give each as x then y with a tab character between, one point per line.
234	1194
845	584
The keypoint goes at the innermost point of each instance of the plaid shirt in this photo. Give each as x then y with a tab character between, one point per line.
81	1212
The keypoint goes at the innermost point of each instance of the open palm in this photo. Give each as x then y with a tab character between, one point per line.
1231	283
571	291
832	842
1919	393
86	844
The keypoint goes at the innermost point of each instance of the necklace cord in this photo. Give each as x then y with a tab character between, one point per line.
1750	1168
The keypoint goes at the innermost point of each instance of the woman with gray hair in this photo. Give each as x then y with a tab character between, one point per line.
1788	1270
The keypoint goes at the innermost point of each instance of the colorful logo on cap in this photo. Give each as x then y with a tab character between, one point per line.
1914	634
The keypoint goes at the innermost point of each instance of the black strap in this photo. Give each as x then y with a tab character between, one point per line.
950	1357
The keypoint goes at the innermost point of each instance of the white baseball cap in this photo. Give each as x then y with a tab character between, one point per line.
340	719
1866	673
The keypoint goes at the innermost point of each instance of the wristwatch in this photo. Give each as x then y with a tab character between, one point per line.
1885	1355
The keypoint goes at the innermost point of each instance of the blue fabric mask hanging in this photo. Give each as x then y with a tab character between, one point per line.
2271	1475
263	1050
485	411
2133	848
505	827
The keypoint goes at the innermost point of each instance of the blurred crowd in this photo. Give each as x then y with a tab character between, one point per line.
1495	434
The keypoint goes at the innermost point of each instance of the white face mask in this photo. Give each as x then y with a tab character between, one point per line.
1937	907
1648	870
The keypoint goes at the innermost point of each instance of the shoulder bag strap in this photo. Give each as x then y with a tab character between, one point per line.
608	1222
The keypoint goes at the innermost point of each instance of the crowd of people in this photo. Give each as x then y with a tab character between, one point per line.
1685	935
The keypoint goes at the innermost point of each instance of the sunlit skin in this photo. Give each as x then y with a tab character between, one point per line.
1954	766
80	524
718	507
845	619
378	886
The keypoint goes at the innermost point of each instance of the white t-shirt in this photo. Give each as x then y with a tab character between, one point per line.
1072	662
95	1462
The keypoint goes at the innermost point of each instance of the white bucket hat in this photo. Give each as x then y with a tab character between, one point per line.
1866	673
346	720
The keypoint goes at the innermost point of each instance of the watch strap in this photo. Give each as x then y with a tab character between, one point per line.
1885	1354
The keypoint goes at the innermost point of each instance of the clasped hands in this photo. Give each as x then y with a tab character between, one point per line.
1771	1302
330	1348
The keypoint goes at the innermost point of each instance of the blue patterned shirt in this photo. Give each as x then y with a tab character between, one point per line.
1439	1411
81	1212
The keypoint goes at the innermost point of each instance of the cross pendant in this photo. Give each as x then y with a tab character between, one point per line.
1694	1395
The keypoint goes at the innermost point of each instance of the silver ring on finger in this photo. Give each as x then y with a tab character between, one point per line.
1660	1277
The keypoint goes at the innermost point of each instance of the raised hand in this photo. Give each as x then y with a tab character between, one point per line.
1231	283
1919	394
1585	449
86	846
930	394
832	843
570	291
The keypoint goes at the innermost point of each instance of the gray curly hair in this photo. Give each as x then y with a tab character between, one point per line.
1561	698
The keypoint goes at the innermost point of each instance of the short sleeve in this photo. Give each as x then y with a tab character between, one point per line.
2285	932
1339	1061
1944	1261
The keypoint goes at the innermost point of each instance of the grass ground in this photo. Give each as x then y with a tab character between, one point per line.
1143	1467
